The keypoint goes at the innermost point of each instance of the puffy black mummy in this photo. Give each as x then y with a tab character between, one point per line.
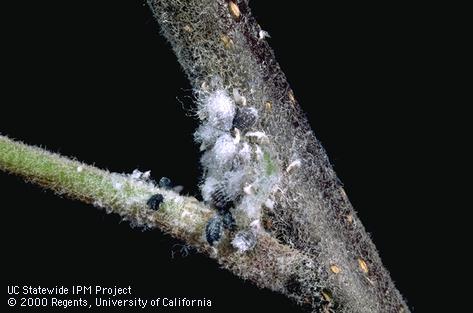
222	200
245	118
228	221
214	229
155	201
165	183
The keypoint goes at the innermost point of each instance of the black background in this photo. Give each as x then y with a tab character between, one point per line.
94	80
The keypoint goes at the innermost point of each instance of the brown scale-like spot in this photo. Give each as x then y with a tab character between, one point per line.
268	106
335	269
227	41
363	266
187	28
234	10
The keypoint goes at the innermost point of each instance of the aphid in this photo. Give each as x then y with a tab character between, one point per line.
165	183
213	230
239	99
248	189
228	220
269	204
136	174
222	153
256	225
245	118
263	34
244	241
218	109
155	201
237	134
220	198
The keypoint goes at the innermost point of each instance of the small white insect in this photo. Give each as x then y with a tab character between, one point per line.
256	225
208	188
79	169
269	204
248	189
244	241
237	138
224	150
259	136
218	109
136	174
239	99
207	135
263	34
117	185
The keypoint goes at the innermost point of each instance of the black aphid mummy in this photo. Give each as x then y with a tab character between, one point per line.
165	183
245	118
221	199
155	201
228	220
213	230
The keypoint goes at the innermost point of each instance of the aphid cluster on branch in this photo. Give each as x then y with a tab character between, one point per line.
231	144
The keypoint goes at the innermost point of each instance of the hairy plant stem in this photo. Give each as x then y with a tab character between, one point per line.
220	45
182	217
314	248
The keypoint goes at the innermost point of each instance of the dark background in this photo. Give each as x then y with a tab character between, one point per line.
94	80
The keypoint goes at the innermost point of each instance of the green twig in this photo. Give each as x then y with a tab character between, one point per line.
269	264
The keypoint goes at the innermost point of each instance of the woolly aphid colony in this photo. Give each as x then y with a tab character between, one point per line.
265	169
280	217
237	180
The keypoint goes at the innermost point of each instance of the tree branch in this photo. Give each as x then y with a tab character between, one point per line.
268	265
262	164
223	50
